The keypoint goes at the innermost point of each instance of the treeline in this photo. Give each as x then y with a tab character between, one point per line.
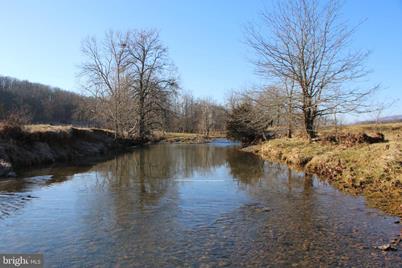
193	115
26	102
135	88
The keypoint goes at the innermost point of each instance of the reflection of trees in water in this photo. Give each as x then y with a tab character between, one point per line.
198	158
308	184
140	194
149	171
142	176
297	181
293	199
247	168
284	179
291	189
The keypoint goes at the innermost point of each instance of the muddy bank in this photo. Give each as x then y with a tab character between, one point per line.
373	170
22	148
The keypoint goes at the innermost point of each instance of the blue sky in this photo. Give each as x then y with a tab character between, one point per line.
40	40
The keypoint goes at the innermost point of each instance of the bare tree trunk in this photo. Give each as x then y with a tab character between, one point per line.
309	120
290	103
141	130
290	119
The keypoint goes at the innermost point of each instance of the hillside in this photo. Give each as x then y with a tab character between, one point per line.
38	103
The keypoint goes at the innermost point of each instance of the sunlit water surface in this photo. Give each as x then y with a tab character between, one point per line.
189	205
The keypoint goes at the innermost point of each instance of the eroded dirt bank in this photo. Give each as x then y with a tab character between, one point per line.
37	145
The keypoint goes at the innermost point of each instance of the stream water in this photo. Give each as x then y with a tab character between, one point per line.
176	205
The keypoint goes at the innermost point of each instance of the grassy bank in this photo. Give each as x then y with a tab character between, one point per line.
374	170
187	138
44	144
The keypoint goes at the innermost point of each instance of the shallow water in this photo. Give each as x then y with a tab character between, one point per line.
173	205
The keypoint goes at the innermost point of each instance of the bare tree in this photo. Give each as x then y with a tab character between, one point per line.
277	105
188	113
105	74
152	77
207	119
131	79
291	99
307	45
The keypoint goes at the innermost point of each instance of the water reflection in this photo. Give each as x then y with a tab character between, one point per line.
189	205
151	171
246	168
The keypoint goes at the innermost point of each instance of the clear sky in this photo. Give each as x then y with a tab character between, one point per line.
40	40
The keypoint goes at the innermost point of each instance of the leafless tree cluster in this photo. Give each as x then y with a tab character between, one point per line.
260	114
131	79
276	105
193	115
304	48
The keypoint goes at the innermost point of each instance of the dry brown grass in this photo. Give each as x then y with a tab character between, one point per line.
59	128
372	169
45	128
392	131
181	137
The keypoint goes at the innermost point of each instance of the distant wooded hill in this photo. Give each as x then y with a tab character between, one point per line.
385	119
38	103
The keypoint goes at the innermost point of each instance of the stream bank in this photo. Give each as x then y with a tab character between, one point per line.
373	170
45	144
